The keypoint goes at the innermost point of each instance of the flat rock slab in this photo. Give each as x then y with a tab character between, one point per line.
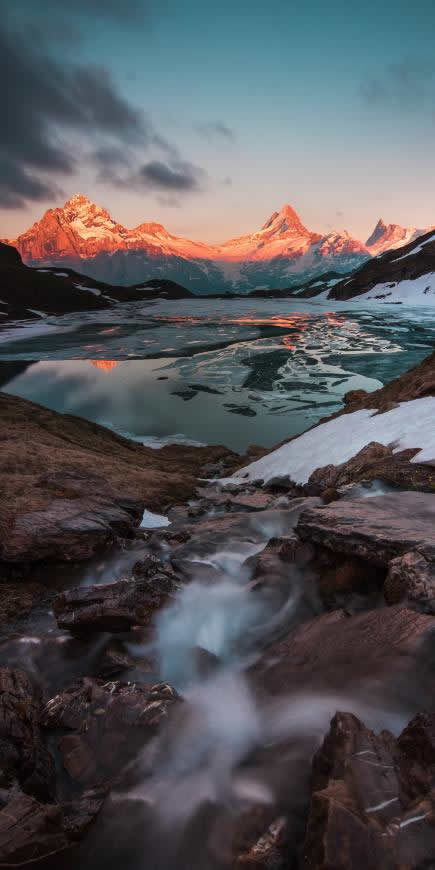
340	652
375	529
69	528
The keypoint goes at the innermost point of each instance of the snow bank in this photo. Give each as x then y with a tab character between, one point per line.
411	424
411	291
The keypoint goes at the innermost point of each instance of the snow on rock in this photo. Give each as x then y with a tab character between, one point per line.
411	291
153	521
410	425
93	290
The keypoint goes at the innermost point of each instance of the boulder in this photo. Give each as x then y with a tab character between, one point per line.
411	577
341	652
30	832
373	798
353	396
269	851
374	462
114	606
105	725
374	529
25	761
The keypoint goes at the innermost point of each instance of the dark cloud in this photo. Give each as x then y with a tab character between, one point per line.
110	156
180	176
60	114
216	130
46	103
407	85
17	186
169	178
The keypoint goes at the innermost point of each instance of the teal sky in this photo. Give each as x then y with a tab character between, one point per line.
327	107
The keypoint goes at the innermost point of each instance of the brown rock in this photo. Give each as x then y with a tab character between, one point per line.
24	757
30	831
354	396
17	600
114	606
411	577
94	486
108	723
374	529
373	803
338	651
268	852
359	467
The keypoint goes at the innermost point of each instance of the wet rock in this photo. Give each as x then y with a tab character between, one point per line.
278	553
373	798
337	651
281	483
354	396
114	606
88	516
374	462
374	529
106	724
238	532
356	468
347	581
269	852
330	494
25	762
18	599
30	831
411	577
249	500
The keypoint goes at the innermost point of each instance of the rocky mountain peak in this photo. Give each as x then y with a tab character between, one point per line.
77	200
81	207
283	222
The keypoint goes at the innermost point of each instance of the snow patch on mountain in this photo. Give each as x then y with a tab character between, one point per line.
413	291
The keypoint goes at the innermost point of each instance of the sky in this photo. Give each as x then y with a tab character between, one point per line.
207	117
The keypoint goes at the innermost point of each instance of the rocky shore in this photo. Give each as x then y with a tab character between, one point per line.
250	686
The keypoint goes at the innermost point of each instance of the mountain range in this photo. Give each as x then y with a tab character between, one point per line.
83	236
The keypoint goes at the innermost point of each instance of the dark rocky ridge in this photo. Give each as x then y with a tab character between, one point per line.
24	291
415	259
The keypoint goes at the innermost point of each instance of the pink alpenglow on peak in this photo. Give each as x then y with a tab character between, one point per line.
387	237
283	252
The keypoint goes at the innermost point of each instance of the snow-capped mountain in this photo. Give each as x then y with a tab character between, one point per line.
405	276
387	237
83	236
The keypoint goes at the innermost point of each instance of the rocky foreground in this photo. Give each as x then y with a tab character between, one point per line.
251	687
